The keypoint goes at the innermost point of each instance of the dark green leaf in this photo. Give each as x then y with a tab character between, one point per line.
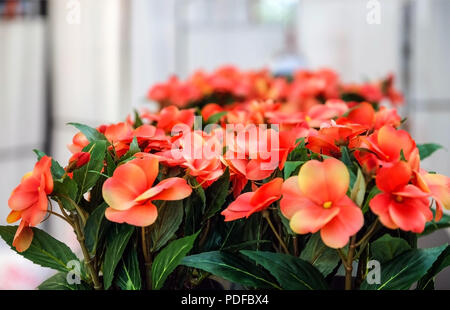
216	195
441	263
117	241
96	227
231	267
44	250
386	248
91	134
425	150
56	169
129	276
169	258
290	167
170	216
110	164
404	270
87	176
319	255
58	282
291	272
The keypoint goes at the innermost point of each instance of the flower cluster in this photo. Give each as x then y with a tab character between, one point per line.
309	152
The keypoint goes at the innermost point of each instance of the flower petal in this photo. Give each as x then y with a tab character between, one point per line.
411	214
267	193
324	181
390	179
140	215
346	223
312	218
380	206
239	208
168	189
293	199
23	237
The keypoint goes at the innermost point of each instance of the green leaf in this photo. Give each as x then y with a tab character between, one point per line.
387	247
110	164
319	255
441	263
45	250
96	227
432	226
300	153
56	169
129	275
137	120
134	148
116	244
401	272
291	272
169	258
87	176
58	282
170	216
290	167
373	192
232	268
66	187
215	118
91	134
216	195
425	150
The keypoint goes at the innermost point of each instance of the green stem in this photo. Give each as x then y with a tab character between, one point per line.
87	257
266	215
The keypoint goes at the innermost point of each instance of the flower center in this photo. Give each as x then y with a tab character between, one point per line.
399	198
307	118
327	204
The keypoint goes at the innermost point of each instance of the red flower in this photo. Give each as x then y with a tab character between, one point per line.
28	202
252	202
78	160
400	205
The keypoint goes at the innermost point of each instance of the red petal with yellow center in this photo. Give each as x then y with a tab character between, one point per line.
324	181
346	223
411	214
140	215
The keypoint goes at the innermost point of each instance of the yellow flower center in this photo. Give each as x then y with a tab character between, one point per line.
399	198
307	118
327	204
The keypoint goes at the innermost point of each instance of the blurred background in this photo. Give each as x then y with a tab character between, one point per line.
92	61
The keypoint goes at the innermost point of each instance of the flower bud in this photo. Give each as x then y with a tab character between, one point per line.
78	160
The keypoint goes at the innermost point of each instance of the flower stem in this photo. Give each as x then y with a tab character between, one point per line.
87	257
147	257
266	215
349	267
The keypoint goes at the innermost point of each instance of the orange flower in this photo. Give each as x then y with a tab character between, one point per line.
129	192
252	202
389	142
171	116
28	202
316	200
79	141
400	205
